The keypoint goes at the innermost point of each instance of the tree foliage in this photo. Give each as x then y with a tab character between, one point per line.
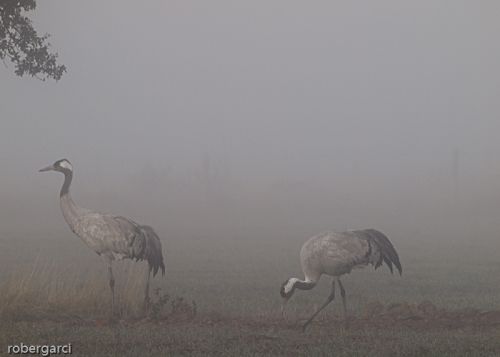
21	45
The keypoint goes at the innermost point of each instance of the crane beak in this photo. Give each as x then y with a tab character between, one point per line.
48	168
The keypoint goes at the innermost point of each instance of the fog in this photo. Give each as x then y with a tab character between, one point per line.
262	120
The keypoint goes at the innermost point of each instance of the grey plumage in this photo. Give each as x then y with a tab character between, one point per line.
336	254
112	237
387	251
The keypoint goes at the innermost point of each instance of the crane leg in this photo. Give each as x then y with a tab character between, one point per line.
146	293
328	300
342	293
112	286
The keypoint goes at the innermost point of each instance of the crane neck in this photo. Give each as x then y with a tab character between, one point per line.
68	177
294	283
68	207
304	284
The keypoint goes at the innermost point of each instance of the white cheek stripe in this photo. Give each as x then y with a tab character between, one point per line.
66	165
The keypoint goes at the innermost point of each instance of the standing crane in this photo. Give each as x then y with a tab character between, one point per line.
336	254
111	237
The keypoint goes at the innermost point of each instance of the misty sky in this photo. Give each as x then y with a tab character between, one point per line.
349	111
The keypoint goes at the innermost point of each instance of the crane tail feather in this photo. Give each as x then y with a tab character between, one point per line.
387	250
389	264
153	252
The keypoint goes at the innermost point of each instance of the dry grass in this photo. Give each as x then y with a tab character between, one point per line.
48	291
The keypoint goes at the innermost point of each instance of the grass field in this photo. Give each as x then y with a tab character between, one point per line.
222	299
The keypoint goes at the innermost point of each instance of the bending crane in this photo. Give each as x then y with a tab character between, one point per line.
336	254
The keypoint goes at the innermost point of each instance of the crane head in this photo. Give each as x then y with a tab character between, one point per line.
288	288
62	165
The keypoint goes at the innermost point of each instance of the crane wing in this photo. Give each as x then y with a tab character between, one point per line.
118	237
131	232
388	253
142	243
